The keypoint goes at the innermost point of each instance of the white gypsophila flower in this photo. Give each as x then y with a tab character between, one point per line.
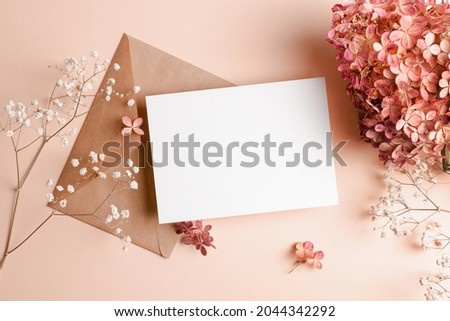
75	162
61	120
60	188
101	156
50	114
129	162
115	212
127	239
125	249
9	133
70	188
72	131
109	90
433	238
108	98
111	82
88	86
40	131
133	184
136	89
108	219
125	213
116	174
27	122
129	174
94	53
444	261
135	169
83	171
102	175
50	197
93	157
64	142
118	231
95	169
49	182
116	67
63	203
131	102
58	103
38	115
35	102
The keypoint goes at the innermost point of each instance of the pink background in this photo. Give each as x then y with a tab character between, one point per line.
248	41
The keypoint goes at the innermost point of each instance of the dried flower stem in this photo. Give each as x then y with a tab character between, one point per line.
296	266
21	179
55	213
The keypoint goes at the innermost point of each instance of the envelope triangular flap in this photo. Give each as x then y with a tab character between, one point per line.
156	72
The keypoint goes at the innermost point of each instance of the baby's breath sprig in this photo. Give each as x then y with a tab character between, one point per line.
71	97
411	202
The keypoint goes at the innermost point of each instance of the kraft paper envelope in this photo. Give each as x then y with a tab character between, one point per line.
156	72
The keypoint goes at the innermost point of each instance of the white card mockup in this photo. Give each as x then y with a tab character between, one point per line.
241	150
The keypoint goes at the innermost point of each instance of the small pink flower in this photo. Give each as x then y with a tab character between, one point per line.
304	250
410	29
444	83
132	126
428	46
194	233
387	50
315	261
305	254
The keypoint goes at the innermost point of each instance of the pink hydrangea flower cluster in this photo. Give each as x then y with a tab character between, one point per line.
396	56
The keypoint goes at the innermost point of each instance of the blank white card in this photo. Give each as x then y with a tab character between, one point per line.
241	150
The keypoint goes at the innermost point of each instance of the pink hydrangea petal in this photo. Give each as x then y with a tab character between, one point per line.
421	44
435	49
299	246
445	45
380	11
138	122
377	46
319	255
406	22
400	123
138	131
429	39
414	120
396	35
443	83
127	121
317	265
407	42
430	115
300	254
308	246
